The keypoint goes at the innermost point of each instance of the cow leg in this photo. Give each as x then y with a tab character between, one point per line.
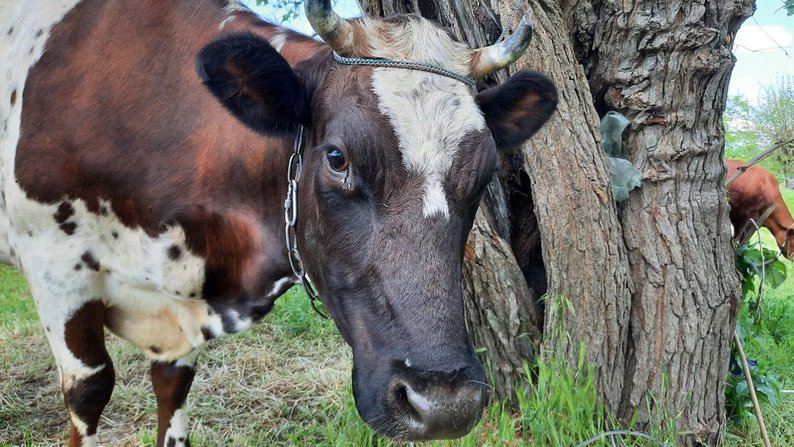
85	368
171	382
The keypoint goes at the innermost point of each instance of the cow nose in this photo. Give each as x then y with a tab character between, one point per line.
436	409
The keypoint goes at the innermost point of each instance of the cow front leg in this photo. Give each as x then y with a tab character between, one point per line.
171	382
84	366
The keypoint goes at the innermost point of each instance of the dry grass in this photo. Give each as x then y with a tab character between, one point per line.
261	387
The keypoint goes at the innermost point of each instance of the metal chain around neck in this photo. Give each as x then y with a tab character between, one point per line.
388	63
294	168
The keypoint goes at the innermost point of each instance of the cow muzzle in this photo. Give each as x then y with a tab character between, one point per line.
420	404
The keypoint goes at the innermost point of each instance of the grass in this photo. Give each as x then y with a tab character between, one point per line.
286	381
259	387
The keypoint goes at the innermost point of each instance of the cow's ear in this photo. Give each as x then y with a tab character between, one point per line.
255	83
517	108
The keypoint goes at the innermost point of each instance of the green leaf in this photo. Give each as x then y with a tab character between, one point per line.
742	389
775	274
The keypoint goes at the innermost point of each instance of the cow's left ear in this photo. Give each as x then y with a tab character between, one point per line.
516	109
253	81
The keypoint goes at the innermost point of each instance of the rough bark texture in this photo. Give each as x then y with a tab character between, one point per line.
652	286
500	308
666	66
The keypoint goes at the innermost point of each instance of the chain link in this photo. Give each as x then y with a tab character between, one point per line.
294	167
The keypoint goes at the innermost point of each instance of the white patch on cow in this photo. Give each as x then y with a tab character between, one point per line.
240	324
24	27
280	285
177	429
189	360
82	428
214	325
232	7
430	113
278	41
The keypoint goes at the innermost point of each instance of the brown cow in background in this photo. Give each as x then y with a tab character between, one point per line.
752	193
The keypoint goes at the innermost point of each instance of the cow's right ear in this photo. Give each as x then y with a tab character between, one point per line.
255	83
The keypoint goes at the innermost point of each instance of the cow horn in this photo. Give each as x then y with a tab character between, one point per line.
487	60
333	29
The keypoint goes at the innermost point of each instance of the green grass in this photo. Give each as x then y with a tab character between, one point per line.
16	304
774	351
287	382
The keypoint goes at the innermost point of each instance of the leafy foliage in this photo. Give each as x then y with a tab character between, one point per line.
291	8
789	7
750	129
757	266
753	262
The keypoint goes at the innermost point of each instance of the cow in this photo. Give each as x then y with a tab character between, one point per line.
145	152
750	195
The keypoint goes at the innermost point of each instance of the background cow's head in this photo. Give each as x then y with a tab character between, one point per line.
395	163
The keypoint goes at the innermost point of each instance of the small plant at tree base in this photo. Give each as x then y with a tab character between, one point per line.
758	267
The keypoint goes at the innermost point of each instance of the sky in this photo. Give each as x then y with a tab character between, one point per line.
760	60
764	45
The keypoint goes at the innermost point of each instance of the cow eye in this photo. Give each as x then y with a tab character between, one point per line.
336	159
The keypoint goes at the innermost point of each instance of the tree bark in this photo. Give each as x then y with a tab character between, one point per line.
649	287
666	67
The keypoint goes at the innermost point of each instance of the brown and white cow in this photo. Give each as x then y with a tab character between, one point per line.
136	198
751	194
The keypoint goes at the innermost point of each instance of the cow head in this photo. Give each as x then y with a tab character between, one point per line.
395	163
787	246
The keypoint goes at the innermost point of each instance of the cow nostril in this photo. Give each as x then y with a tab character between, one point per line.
435	411
403	401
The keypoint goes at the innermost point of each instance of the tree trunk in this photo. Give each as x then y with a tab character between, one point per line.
649	288
666	67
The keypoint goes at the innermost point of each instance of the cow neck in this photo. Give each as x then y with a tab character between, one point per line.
294	168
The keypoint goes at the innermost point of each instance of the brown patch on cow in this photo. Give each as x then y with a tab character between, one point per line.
75	438
230	244
155	350
80	334
84	337
64	212
171	385
750	195
135	160
174	252
171	442
14	97
90	261
68	228
78	267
